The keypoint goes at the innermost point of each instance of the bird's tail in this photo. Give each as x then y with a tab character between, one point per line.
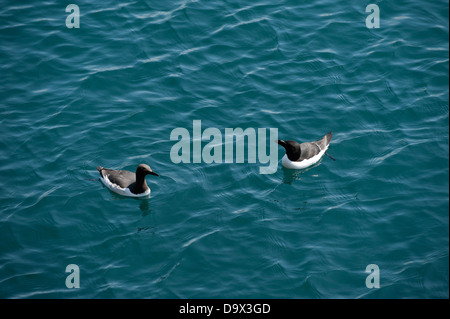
327	142
328	137
324	141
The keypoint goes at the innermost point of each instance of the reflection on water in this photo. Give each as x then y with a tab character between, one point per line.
290	175
144	206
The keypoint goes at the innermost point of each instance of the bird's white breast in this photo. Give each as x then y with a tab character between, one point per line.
120	190
303	164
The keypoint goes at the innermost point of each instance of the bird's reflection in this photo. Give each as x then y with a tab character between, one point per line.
145	206
144	202
290	175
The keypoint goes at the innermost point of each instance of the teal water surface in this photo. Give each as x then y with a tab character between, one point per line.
110	93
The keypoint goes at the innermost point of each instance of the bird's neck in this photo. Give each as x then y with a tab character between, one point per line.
294	155
140	185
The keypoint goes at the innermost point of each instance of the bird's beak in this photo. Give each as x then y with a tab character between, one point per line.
153	173
281	142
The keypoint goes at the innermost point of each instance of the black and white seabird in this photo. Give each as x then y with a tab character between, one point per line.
125	182
299	156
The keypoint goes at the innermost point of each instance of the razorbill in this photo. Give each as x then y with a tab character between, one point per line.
299	156
125	182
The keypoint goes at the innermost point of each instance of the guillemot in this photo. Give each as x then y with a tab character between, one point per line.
127	183
299	156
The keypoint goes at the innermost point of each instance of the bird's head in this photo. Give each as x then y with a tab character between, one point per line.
144	169
292	149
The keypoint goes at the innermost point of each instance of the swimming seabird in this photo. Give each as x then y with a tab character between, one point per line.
299	156
125	182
